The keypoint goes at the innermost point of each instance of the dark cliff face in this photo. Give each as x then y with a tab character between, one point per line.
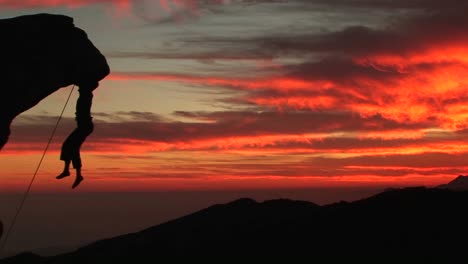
40	54
89	65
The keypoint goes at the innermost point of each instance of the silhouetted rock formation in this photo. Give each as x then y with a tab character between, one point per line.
422	222
460	184
40	54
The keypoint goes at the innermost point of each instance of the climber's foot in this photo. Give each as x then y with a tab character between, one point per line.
63	175
77	181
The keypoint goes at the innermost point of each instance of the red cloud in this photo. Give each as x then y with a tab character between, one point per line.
55	3
169	6
250	132
366	101
407	92
279	83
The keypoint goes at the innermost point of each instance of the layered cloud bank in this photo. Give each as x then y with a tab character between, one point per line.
341	93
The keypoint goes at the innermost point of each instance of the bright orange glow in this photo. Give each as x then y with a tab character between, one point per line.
422	92
279	83
245	182
418	93
262	144
317	102
450	52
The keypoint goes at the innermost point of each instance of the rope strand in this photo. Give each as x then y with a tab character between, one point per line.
35	174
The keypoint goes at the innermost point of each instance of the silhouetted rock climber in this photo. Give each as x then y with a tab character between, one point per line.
40	54
71	146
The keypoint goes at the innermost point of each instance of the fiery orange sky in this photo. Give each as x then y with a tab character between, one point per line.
259	94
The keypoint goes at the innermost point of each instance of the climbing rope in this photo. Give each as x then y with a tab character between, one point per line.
18	210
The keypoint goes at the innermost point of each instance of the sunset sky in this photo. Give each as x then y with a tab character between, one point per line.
252	94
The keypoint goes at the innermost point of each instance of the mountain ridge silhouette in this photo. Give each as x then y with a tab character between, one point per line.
413	221
460	183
